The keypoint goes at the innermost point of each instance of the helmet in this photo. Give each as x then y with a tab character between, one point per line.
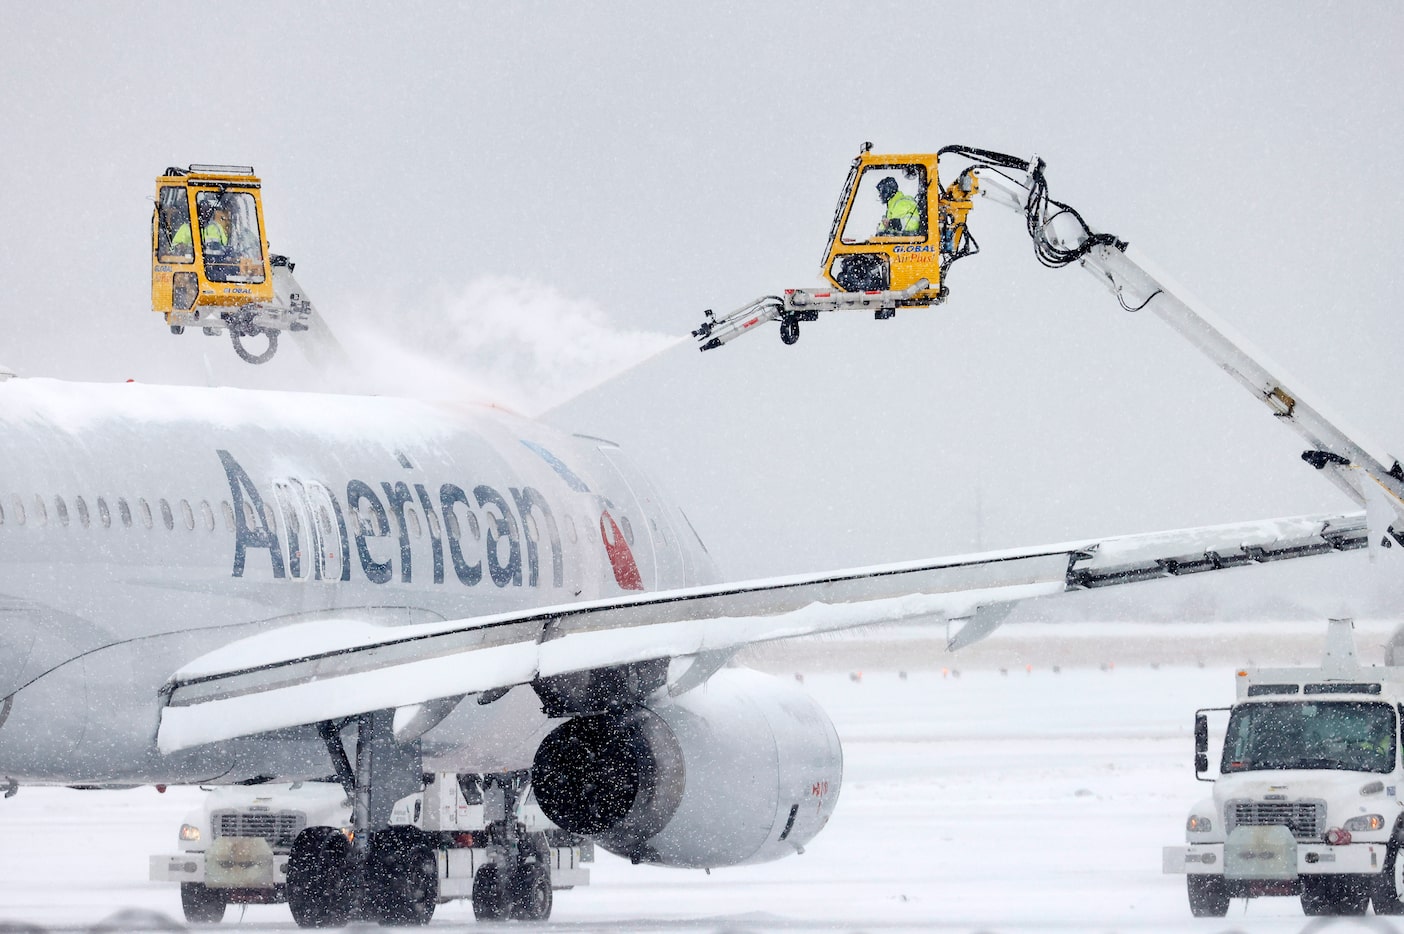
887	188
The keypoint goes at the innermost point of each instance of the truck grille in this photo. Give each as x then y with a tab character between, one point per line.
279	828
1306	819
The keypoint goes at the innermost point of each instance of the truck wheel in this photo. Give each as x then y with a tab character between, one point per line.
404	877
531	898
318	884
1388	886
1208	896
202	904
1334	895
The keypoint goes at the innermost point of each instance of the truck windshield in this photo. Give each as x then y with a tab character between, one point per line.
1348	735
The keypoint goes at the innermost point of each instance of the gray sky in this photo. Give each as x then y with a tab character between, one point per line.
436	168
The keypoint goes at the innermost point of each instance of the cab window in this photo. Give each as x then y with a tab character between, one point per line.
229	238
173	240
890	202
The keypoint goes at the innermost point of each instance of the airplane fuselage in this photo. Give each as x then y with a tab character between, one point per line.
144	526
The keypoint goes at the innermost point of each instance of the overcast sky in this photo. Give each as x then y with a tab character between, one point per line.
512	200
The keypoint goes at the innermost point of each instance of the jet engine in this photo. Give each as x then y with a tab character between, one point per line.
744	769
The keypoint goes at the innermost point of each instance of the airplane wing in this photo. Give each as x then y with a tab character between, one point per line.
328	669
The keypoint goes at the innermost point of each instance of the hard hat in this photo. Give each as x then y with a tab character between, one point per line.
887	188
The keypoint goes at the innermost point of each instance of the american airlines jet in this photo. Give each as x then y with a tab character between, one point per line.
217	586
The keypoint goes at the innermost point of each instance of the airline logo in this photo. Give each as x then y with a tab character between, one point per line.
474	535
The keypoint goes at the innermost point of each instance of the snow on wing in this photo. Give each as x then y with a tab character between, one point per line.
326	670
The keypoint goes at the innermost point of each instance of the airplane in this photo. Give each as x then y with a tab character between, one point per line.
210	585
219	586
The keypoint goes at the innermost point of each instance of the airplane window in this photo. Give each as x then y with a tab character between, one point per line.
570	529
125	512
530	522
207	514
2	515
250	520
628	528
41	514
145	509
413	516
166	516
228	511
61	510
103	514
188	515
473	531
18	511
433	519
451	523
82	506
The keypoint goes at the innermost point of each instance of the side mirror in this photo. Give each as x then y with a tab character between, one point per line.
1201	744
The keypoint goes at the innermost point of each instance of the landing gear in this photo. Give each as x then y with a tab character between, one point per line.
320	878
402	877
524	896
531	894
489	894
202	905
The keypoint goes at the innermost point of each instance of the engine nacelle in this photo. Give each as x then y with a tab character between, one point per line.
745	769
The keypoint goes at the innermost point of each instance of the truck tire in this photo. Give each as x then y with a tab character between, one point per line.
318	887
1334	895
202	904
1389	886
489	894
403	880
1208	896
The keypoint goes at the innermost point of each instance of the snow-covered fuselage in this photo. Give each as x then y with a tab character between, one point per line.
145	526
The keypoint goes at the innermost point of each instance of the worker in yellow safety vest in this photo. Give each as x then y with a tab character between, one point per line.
903	216
214	230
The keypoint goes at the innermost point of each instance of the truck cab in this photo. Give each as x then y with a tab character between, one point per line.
1306	792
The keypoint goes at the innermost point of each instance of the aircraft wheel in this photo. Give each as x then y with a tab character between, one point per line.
403	877
789	330
319	890
178	329
489	895
531	896
202	904
1208	896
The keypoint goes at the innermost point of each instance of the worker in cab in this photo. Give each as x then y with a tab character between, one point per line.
214	226
903	216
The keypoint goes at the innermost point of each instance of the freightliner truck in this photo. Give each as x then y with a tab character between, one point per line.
1306	797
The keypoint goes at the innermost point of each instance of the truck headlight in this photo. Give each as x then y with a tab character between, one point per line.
189	833
1199	824
1365	822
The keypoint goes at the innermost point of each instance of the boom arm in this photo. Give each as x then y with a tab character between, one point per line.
1339	455
1062	237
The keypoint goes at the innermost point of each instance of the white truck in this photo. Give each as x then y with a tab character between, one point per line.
234	849
1307	797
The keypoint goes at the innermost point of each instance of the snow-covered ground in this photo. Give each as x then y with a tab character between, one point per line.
1023	800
